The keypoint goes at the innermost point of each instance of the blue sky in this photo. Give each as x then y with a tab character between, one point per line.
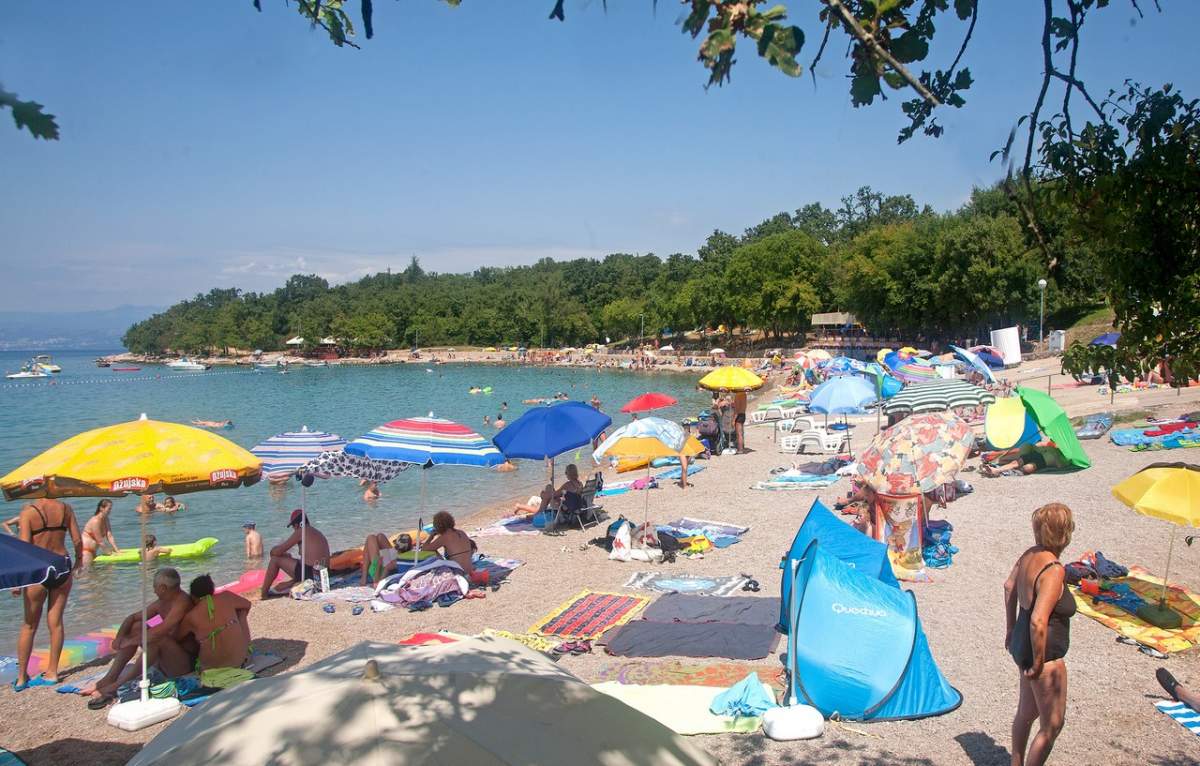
205	144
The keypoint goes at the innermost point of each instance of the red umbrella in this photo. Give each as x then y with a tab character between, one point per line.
650	401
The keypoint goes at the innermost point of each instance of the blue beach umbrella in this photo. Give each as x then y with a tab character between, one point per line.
284	454
841	395
23	564
1107	339
544	432
973	359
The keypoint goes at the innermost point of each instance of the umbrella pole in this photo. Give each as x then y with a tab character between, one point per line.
1162	599
420	521
144	684
646	507
303	522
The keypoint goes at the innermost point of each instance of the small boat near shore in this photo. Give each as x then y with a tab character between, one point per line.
46	364
126	369
187	365
27	371
101	362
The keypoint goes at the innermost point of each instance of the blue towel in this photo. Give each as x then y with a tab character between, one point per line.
745	698
1184	715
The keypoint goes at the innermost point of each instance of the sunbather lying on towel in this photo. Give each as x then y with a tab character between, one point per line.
1178	691
537	503
1029	459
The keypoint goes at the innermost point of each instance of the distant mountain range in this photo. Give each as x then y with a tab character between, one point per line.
32	331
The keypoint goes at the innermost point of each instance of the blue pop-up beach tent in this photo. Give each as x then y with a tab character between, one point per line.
860	653
838	539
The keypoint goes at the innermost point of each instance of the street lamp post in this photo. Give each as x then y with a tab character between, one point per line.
642	331
1042	312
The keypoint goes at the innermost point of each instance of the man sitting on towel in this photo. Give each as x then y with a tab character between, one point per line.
169	647
316	553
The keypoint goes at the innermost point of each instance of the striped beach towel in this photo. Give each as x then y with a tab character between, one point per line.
1184	715
588	614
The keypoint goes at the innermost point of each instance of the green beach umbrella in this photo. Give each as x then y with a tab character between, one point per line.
1055	424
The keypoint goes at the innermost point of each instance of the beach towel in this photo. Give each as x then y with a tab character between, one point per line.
793	484
683	709
427	639
532	640
513	525
497	568
748	697
8	759
352	594
675	473
641	638
723	585
1149	588
694	673
744	610
704	525
588	614
1095	426
1177	711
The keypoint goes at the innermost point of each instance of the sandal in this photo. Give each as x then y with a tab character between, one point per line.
581	647
752	586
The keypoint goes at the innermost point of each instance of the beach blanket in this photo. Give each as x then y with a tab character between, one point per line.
588	614
642	638
427	639
96	644
532	640
723	585
1174	441
1149	588
513	525
1177	711
685	607
677	672
683	709
352	594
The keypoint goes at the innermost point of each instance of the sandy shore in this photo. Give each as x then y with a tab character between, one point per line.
1110	716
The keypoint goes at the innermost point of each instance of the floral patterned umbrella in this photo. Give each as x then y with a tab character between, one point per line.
916	455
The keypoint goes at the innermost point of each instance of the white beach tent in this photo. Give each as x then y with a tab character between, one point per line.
477	701
296	341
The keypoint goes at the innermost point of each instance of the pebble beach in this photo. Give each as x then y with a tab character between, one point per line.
1110	714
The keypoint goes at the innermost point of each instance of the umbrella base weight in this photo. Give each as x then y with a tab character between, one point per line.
1160	616
139	714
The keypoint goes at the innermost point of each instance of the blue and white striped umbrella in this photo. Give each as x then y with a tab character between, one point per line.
427	442
284	454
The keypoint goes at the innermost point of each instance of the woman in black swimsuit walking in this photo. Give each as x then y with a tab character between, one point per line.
46	523
1038	609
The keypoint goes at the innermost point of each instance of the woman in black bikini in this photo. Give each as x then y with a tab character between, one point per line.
454	543
1038	609
46	524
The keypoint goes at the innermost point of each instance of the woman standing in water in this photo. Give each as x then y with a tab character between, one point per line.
96	532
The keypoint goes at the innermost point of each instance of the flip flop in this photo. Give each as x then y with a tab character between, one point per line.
101	702
41	680
357	610
329	608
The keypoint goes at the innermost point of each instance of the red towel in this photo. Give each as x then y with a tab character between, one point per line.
1168	428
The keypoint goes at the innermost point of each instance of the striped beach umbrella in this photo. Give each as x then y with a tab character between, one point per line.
912	371
937	396
284	454
426	441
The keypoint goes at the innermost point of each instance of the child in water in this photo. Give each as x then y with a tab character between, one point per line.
254	549
151	549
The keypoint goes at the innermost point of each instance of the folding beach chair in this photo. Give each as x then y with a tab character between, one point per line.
589	509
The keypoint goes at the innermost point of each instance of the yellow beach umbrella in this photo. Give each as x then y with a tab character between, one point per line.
731	378
1171	492
141	456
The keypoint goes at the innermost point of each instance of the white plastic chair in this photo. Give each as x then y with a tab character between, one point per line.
821	440
790	444
759	416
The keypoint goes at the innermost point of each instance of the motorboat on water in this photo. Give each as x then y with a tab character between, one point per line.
29	370
102	362
183	363
46	364
318	363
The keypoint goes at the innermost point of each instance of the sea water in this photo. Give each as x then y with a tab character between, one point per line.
344	399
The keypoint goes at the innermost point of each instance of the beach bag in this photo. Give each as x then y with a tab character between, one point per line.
621	543
937	532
